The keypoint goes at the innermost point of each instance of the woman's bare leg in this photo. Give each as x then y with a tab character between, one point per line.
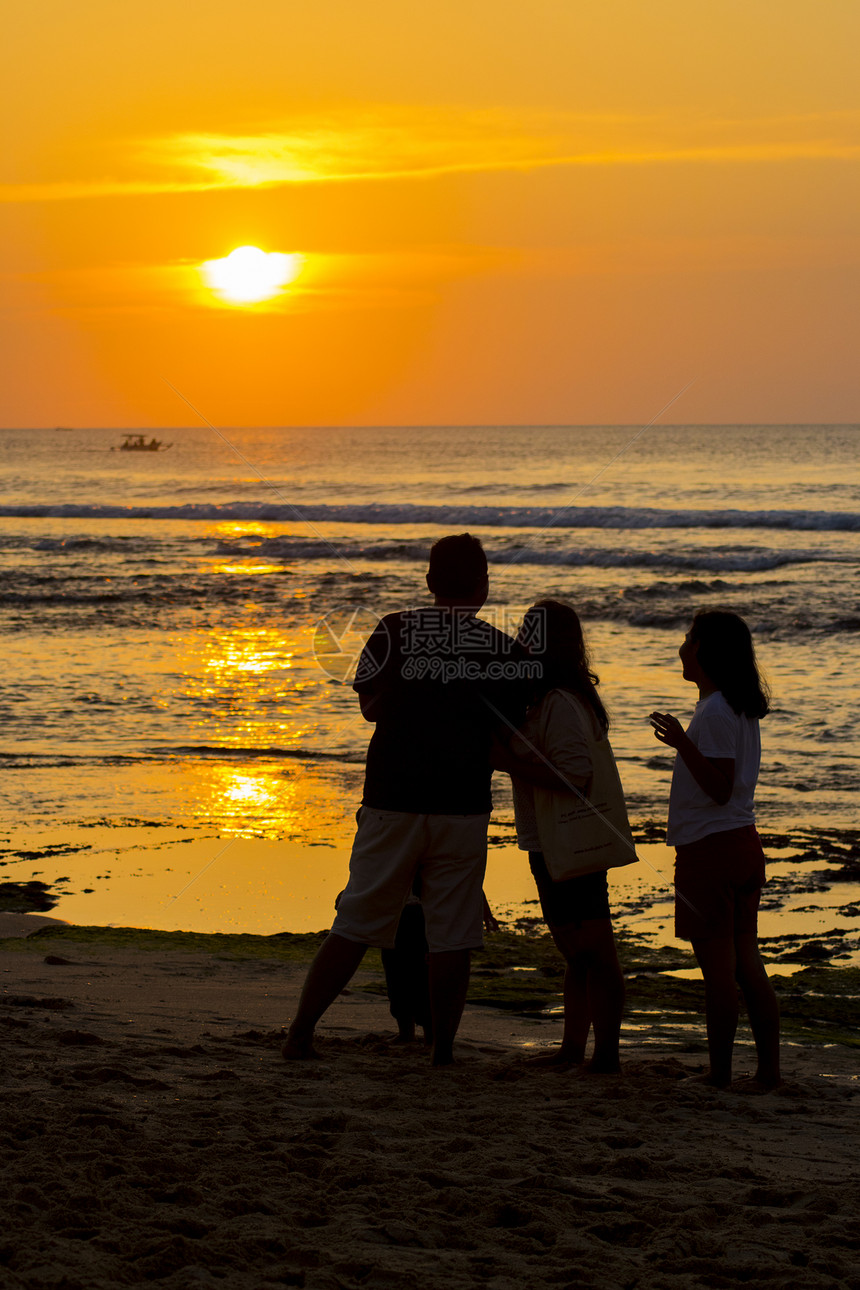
605	995
762	1007
593	993
716	958
577	1018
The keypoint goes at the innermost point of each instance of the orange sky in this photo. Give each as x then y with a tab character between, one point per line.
507	212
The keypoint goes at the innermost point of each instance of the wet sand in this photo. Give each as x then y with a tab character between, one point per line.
152	1134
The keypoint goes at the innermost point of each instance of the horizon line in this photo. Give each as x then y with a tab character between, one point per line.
436	425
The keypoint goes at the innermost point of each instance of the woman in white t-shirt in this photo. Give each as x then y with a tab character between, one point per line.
719	869
551	751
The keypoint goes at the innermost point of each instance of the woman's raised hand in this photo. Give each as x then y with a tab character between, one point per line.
667	728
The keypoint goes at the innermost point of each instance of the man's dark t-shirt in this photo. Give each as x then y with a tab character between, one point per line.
442	681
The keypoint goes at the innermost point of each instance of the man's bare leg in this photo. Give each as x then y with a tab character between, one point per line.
333	968
449	981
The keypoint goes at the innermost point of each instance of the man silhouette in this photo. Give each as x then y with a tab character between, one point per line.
437	682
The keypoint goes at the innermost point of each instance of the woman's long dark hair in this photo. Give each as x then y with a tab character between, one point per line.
553	634
727	657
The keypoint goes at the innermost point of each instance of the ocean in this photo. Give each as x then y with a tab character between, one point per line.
181	625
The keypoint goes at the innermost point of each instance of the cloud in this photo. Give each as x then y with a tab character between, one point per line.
418	144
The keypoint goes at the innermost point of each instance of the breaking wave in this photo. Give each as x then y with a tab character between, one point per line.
460	516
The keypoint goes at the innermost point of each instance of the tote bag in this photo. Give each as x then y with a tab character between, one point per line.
589	831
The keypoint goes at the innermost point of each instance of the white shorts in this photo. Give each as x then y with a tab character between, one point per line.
391	849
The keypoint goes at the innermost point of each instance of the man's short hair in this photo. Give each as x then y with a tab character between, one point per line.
458	566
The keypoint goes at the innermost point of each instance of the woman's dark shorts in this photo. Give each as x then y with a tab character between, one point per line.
573	900
718	882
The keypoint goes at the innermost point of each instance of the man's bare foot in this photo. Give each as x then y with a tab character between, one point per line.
443	1056
299	1050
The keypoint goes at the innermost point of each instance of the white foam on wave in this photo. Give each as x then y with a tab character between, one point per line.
460	516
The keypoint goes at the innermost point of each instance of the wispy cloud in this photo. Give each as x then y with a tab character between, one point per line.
423	144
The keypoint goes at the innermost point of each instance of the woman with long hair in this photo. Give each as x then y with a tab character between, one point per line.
720	866
551	760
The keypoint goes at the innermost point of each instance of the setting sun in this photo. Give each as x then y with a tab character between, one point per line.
248	275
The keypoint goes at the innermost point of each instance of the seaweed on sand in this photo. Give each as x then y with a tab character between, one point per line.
523	972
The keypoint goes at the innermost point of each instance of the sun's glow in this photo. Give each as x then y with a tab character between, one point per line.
248	274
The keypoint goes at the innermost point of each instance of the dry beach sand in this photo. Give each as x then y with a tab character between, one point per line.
152	1134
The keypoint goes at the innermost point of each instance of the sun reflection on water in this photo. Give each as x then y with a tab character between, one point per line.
254	649
247	568
251	690
245	802
269	802
247	790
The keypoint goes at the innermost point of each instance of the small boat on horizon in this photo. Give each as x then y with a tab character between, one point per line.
140	443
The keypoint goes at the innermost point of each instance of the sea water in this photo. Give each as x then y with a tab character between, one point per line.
180	628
